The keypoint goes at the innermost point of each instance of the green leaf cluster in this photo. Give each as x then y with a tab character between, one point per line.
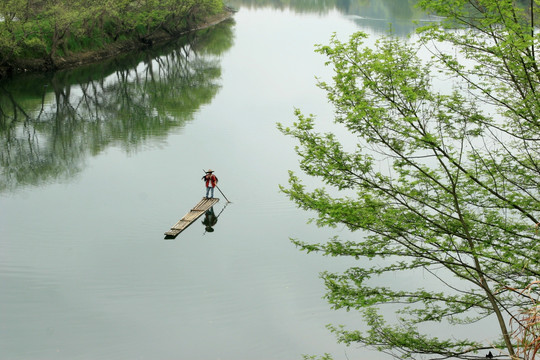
442	181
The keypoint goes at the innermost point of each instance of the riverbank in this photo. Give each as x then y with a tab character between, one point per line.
108	51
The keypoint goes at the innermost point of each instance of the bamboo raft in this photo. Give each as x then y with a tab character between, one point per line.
190	217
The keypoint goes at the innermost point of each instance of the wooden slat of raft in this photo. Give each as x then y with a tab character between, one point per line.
181	225
205	204
199	203
191	216
173	232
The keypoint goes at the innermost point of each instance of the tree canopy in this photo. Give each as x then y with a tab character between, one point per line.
442	180
52	29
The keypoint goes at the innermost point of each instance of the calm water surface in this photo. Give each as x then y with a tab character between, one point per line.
98	162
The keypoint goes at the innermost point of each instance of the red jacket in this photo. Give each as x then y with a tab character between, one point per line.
211	180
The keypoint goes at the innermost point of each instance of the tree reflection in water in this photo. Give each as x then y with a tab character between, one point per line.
50	123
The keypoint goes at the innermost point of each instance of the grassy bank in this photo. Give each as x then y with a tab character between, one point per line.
42	35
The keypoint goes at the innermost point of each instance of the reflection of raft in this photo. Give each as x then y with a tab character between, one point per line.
191	216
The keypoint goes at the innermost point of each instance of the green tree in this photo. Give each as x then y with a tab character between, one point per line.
60	20
52	29
440	182
16	32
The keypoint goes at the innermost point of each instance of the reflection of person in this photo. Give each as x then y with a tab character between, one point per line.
211	182
210	219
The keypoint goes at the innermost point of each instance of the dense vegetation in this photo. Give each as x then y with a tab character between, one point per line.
438	183
50	30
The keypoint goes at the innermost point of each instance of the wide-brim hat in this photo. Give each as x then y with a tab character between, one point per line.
209	171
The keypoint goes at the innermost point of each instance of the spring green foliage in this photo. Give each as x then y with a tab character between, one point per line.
441	182
52	28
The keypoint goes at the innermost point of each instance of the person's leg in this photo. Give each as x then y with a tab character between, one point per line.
212	192
208	191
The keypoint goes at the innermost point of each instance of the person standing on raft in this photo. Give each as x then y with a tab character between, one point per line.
211	182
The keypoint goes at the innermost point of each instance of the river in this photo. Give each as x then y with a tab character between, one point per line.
98	162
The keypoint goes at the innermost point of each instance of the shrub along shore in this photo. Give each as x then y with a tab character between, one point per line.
36	36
